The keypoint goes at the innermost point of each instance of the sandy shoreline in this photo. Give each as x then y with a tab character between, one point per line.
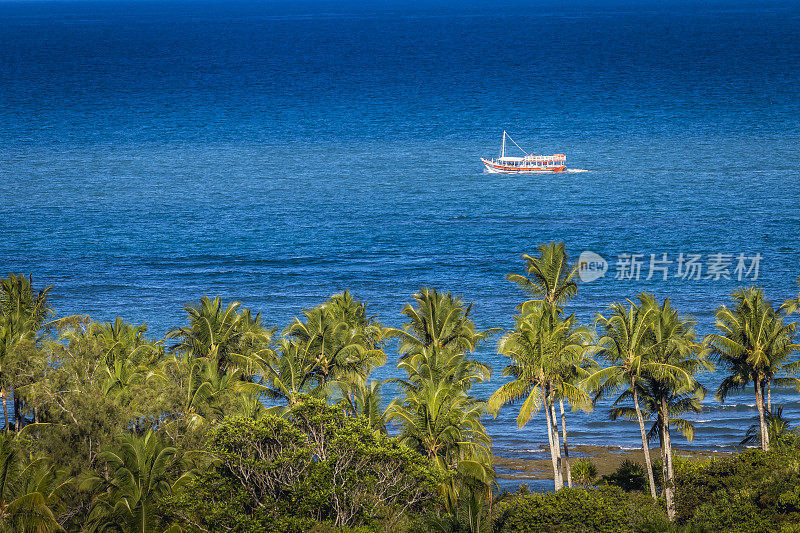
606	458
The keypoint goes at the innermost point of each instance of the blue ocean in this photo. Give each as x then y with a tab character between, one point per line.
279	152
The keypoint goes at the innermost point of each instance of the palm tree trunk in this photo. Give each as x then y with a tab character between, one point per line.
557	441
645	445
664	473
761	419
769	396
566	450
558	482
17	412
669	481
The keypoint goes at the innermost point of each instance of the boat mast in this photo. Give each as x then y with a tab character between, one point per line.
503	151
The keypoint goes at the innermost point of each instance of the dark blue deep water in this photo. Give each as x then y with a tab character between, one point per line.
279	152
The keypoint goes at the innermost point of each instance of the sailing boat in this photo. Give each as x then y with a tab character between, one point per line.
526	164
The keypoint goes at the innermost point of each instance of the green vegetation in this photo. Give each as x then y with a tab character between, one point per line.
230	424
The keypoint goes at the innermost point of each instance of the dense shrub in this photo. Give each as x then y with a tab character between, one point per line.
606	509
313	467
750	491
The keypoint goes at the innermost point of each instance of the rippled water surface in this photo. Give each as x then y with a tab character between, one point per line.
279	152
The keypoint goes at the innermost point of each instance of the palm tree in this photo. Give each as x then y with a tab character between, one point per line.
30	491
584	472
437	414
364	399
792	305
142	470
289	375
550	275
674	388
779	430
341	340
628	345
439	320
128	355
442	422
753	346
546	354
575	366
660	402
436	364
550	279
225	334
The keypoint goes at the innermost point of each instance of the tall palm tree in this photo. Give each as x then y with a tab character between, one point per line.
549	279
437	414
142	470
753	345
571	350
673	385
627	343
660	402
545	351
550	275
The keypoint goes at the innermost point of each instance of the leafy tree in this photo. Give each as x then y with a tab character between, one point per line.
605	509
753	346
314	464
23	312
749	491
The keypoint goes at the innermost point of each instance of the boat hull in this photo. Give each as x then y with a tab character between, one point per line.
494	168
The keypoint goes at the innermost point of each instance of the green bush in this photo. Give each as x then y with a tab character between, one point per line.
749	491
605	509
313	468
